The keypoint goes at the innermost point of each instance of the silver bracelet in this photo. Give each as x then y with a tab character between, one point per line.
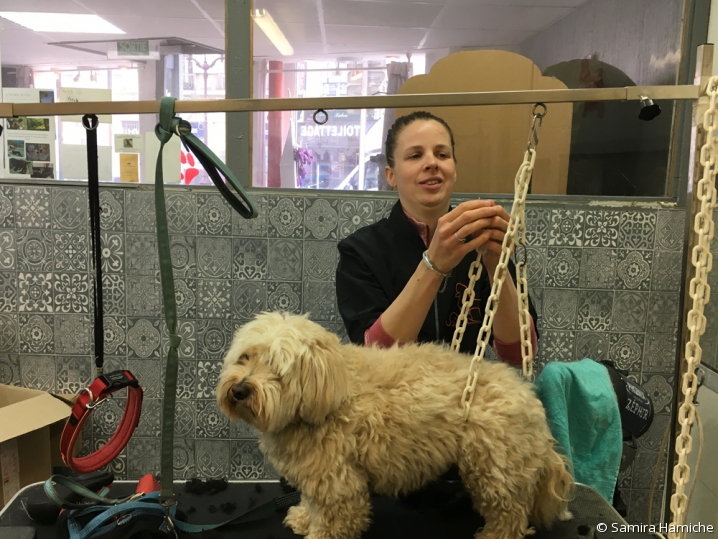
429	264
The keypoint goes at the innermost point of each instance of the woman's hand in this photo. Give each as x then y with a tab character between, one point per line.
483	220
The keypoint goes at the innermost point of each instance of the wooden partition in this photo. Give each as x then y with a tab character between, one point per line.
491	140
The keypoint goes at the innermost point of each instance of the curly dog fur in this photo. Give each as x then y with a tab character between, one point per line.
342	421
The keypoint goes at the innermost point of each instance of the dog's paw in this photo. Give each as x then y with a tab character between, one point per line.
565	516
298	520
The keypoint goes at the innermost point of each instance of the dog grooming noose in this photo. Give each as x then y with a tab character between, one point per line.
515	235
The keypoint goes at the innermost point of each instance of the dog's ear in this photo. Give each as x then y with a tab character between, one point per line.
324	378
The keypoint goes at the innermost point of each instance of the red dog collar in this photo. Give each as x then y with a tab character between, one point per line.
90	398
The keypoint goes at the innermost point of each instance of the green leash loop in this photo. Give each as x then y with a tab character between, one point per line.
170	125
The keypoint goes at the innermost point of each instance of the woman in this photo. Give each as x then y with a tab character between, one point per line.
402	278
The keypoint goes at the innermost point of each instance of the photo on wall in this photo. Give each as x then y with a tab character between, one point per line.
16	124
38	124
47	96
30	140
16	148
20	166
37	152
43	170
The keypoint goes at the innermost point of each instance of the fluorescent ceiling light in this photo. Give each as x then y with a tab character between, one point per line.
75	23
265	21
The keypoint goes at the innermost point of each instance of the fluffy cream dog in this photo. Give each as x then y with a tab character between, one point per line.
341	421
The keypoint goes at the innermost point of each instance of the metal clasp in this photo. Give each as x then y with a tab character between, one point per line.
93	402
535	129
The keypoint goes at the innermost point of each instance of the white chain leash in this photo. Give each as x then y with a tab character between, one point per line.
702	260
515	235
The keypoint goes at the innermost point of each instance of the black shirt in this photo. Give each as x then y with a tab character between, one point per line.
375	264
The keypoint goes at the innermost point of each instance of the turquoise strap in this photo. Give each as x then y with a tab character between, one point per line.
107	517
169	124
91	498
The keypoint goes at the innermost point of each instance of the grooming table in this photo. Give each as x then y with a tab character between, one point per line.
421	516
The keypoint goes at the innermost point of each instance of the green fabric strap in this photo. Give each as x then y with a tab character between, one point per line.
169	124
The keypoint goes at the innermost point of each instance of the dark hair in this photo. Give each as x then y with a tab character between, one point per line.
401	123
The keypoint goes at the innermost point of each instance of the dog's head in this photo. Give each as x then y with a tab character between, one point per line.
282	369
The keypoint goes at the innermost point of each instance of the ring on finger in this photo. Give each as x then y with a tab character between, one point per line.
461	240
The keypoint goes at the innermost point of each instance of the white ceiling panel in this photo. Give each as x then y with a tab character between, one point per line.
298	33
520	3
504	17
524	3
143	27
177	9
351	26
214	8
388	14
296	11
474	38
42	6
374	37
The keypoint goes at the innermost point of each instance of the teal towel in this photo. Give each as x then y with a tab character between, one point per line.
582	412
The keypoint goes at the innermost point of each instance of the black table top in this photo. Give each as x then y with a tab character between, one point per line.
434	513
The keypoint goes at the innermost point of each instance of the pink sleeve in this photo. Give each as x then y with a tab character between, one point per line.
376	335
511	352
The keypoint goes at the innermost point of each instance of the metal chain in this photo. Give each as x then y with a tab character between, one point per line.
699	290
515	234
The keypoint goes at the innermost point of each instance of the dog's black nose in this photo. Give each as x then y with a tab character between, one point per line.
241	391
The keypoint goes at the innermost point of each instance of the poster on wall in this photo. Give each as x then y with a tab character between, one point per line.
29	141
84	95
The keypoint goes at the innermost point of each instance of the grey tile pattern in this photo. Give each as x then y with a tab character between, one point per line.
284	260
214	216
626	350
112	208
593	345
633	269
140	211
69	208
601	229
321	218
7	215
71	253
8	333
353	215
181	213
286	219
566	228
630	310
537	223
670	232
638	229
587	271
8	250
594	310
214	257
562	267
34	250
598	268
536	266
32	207
667	267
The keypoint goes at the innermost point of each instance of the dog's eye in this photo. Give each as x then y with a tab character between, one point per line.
243	358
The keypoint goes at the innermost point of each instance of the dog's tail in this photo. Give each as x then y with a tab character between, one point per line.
555	489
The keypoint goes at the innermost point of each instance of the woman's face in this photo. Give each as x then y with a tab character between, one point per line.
424	170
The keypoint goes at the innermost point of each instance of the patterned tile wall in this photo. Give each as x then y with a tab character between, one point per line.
606	282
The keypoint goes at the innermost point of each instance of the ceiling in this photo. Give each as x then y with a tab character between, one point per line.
316	28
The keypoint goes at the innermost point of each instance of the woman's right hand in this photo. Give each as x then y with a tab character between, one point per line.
482	219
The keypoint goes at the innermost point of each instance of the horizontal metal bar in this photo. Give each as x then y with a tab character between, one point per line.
357	102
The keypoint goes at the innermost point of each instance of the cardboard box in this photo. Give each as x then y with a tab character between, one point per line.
31	422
